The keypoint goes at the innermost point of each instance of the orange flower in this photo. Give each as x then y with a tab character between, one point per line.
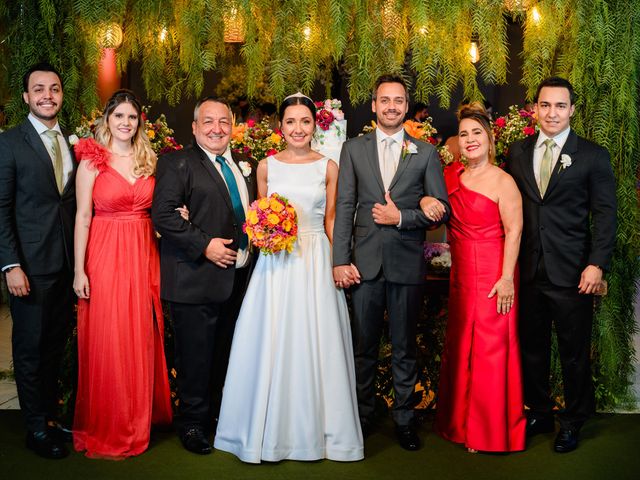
413	128
273	219
276	206
286	224
237	132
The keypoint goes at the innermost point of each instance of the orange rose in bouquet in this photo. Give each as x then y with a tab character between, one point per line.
272	224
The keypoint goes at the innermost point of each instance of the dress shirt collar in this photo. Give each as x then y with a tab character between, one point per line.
41	127
398	136
560	138
212	156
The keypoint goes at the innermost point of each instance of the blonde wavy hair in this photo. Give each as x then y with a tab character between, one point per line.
144	157
477	112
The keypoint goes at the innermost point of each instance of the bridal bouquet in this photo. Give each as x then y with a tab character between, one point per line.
272	224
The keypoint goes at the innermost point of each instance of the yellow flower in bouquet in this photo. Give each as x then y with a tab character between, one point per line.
272	224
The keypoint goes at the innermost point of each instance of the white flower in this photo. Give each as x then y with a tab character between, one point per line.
245	167
565	160
338	114
408	148
73	139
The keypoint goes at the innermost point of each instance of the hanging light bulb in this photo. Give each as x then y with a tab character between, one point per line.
233	26
306	31
474	53
162	36
110	35
535	15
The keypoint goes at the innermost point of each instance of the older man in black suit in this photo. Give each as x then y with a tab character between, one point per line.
37	210
569	206
205	262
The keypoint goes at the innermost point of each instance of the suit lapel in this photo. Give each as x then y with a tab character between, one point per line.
74	164
371	148
570	146
403	162
528	148
250	179
35	142
215	176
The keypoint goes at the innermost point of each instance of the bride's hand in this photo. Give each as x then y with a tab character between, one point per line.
506	292
81	285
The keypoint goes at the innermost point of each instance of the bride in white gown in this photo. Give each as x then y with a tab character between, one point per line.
290	387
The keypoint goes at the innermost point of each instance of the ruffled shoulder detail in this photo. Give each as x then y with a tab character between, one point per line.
452	174
90	150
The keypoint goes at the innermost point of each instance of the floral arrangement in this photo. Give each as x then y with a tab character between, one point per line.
515	125
159	133
438	256
272	224
327	112
256	140
422	130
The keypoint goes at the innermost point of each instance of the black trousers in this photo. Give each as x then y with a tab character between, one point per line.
203	335
541	305
42	322
370	300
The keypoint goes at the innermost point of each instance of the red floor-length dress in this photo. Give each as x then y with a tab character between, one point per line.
122	381
480	394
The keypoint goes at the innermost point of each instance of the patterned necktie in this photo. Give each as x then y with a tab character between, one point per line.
236	201
546	165
388	163
58	170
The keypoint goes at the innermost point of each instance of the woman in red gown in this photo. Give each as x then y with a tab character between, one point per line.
480	395
122	381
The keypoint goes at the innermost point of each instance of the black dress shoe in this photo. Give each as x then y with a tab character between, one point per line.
60	433
408	438
46	445
193	439
540	425
566	441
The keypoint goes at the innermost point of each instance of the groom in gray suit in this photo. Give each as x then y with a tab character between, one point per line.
378	243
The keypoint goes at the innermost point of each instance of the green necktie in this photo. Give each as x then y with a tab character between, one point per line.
58	170
545	165
236	200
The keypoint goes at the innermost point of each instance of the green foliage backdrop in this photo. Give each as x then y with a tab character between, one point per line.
289	44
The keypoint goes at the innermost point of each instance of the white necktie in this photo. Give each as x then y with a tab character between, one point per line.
388	163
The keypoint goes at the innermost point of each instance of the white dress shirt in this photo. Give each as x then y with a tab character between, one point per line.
396	150
560	139
67	163
242	260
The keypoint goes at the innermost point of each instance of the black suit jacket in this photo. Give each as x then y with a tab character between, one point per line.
36	221
559	225
188	177
398	251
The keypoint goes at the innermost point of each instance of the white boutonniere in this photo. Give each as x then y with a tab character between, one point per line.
408	148
245	167
73	139
565	160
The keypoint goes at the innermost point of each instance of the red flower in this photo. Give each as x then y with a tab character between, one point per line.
143	116
251	123
319	104
529	131
432	141
246	149
271	151
501	122
324	118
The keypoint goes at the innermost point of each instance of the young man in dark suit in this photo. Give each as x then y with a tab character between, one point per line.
378	239
569	206
205	262
37	210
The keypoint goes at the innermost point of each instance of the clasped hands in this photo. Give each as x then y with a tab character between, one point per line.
346	275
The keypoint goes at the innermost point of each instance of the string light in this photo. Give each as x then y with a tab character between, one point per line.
306	31
474	53
535	15
162	36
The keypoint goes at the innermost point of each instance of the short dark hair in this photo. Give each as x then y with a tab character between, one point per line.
206	99
39	67
389	78
297	100
557	82
418	107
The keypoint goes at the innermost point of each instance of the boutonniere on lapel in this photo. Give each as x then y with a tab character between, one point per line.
245	168
408	148
73	139
565	160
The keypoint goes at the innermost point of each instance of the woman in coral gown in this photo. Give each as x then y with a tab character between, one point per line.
122	380
480	395
290	389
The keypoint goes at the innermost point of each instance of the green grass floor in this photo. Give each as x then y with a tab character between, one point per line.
609	449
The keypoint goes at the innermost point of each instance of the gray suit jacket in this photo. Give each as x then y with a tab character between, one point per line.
357	238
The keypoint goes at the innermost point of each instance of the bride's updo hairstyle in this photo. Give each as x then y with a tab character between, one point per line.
476	111
297	99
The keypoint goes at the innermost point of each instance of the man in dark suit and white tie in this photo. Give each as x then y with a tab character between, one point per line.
378	239
37	210
569	210
205	262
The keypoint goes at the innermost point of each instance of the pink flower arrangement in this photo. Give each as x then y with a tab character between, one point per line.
327	112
